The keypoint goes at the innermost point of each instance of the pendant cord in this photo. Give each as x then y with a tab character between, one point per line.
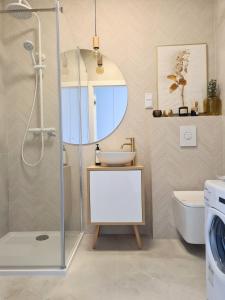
95	19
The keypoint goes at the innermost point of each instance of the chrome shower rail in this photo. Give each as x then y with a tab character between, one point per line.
53	9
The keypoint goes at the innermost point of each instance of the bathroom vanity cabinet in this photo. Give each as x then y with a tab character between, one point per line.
116	197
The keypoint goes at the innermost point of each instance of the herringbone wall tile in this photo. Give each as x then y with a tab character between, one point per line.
176	168
34	193
220	56
4	205
129	32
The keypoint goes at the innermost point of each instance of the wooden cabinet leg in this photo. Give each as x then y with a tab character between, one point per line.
137	236
97	230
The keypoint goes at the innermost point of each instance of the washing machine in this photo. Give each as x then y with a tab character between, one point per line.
214	196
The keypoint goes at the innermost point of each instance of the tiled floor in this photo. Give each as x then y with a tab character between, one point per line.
164	270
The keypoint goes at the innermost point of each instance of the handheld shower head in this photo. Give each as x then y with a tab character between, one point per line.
20	9
29	46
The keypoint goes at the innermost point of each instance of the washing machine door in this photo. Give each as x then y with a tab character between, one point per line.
217	240
215	254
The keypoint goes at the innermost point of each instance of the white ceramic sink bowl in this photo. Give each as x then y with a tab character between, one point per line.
115	158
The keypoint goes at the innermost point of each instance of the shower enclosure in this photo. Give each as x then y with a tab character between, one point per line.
40	203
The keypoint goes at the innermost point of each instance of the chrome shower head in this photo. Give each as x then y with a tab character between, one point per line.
20	9
28	45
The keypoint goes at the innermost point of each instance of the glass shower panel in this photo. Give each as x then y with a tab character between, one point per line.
71	123
31	214
3	148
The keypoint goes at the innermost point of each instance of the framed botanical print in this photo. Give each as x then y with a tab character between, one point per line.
182	76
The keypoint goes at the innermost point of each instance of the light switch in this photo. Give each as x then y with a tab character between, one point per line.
188	136
148	101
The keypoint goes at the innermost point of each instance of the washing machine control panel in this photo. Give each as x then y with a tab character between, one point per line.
214	194
222	200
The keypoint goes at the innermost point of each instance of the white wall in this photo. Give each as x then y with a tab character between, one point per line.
177	168
220	45
4	205
220	57
129	32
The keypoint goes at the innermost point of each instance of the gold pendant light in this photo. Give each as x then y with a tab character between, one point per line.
99	60
99	68
95	39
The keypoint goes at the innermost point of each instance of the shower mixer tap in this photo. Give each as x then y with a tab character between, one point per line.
38	67
51	132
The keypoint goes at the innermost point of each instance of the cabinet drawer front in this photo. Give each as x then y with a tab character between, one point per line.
116	196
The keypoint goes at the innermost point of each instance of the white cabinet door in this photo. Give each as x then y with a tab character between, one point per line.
116	196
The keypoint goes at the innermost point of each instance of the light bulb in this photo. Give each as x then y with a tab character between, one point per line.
100	70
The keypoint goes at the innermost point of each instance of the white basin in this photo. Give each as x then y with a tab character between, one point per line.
115	158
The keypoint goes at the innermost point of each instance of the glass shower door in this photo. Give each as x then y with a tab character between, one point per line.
72	133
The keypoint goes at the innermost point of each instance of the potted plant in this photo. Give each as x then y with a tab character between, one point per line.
213	104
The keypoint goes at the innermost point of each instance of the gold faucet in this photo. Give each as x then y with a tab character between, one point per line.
132	147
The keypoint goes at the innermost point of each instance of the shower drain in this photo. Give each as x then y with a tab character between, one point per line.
42	237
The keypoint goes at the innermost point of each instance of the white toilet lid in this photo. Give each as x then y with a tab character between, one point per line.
190	198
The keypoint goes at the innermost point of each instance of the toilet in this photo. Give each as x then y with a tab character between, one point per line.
189	214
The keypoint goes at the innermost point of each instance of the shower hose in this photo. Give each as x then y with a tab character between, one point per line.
25	161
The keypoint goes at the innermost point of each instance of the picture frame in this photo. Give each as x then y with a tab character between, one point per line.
192	80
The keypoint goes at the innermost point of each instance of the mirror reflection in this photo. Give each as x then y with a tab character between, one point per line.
94	96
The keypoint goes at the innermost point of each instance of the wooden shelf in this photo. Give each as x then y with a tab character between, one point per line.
177	116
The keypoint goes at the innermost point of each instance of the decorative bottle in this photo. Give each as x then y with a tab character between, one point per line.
97	150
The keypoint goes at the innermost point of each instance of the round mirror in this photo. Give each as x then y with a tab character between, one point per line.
94	96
